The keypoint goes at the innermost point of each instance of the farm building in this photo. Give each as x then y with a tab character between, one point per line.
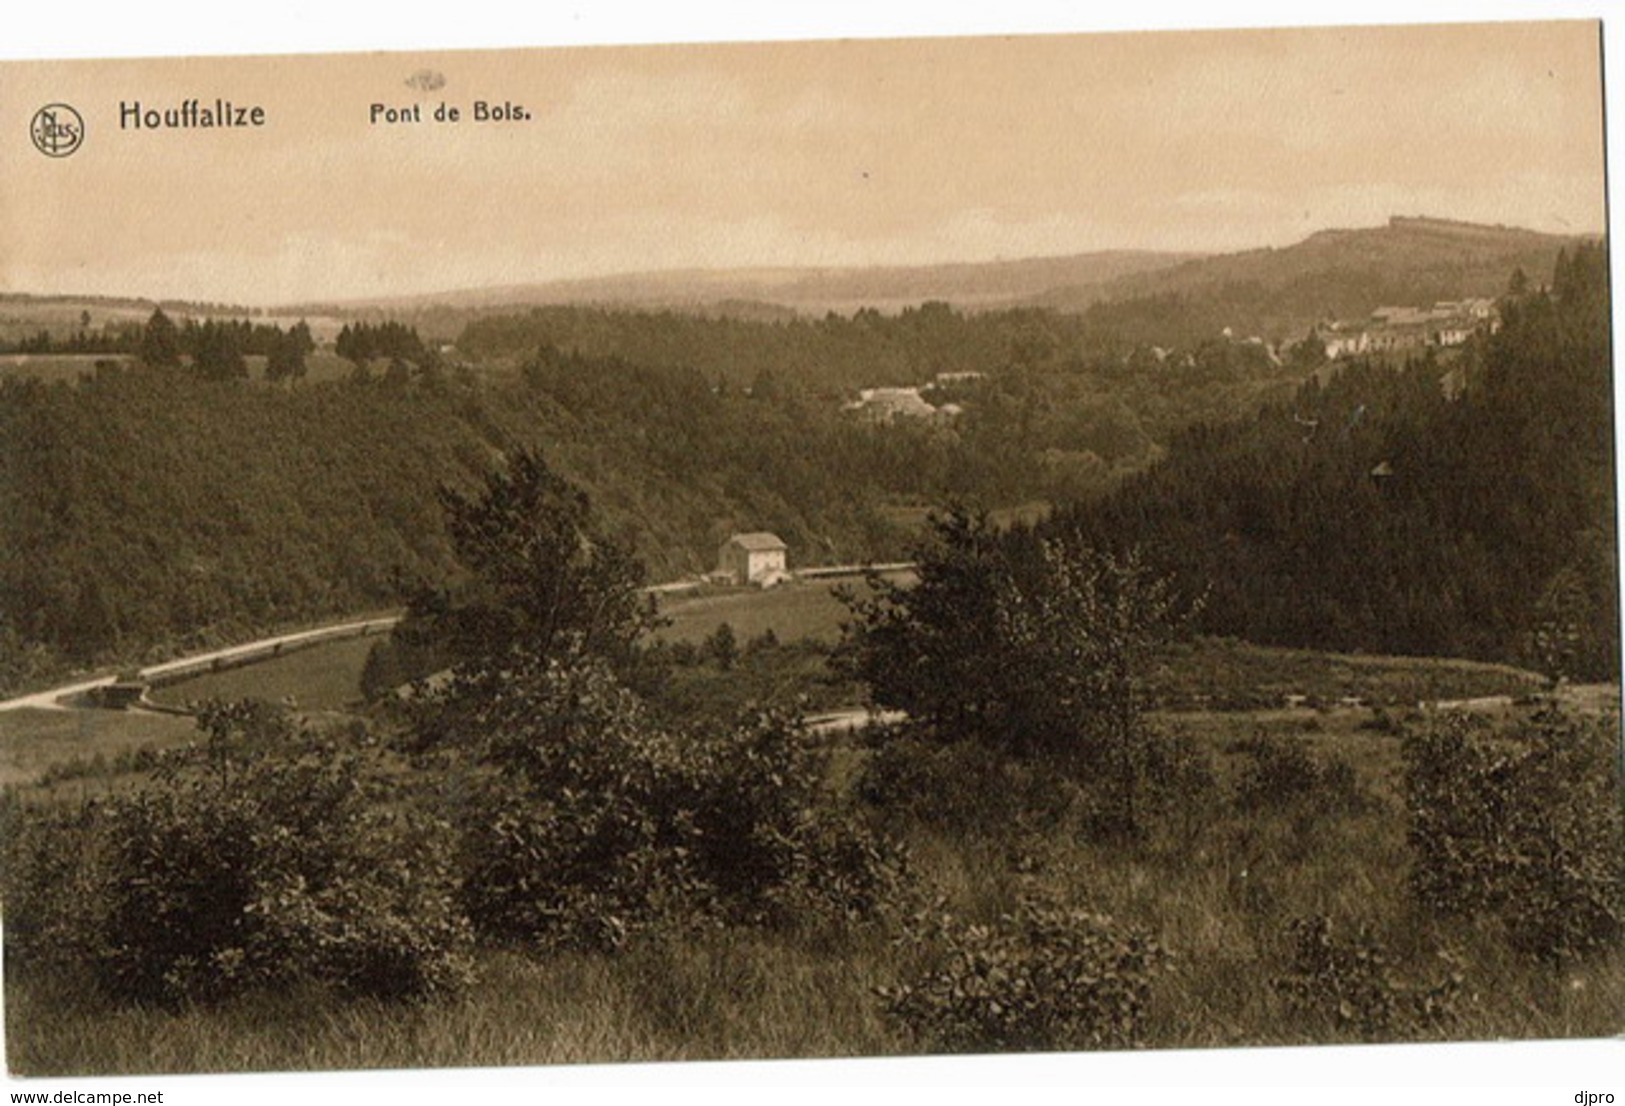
757	558
887	405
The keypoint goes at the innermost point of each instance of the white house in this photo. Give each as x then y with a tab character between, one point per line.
757	558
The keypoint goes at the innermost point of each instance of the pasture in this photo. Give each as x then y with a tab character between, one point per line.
324	677
793	611
32	741
53	368
1203	678
1218	883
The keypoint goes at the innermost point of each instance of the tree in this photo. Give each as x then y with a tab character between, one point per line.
723	647
1309	353
160	341
300	334
1083	634
217	353
287	356
926	648
354	344
539	581
1036	649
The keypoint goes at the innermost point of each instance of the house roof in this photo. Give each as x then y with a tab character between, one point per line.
759	541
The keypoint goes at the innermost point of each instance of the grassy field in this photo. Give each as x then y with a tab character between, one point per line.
1234	673
321	677
1218	890
1190	674
1218	882
801	609
53	367
34	740
1199	675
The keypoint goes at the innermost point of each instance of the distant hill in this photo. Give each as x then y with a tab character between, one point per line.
1279	293
1275	292
755	292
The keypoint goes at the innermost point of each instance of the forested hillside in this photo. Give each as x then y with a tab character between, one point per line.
144	506
147	506
1378	514
150	505
817	356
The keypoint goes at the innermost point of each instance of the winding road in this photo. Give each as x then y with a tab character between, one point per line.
54	699
62	698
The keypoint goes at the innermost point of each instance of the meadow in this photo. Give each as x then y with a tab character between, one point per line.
32	741
792	611
69	367
1219	886
52	368
1295	814
324	677
1197	677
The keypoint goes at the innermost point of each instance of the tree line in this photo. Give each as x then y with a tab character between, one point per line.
218	349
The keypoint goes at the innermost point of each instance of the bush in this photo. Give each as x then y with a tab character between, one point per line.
1165	788
1523	825
1282	772
51	858
967	787
274	861
1043	978
592	823
769	837
961	787
1350	988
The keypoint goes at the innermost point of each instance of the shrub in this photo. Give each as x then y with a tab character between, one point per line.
1349	986
769	838
722	647
967	787
1282	772
1043	978
961	787
591	822
1523	825
275	861
1165	787
51	857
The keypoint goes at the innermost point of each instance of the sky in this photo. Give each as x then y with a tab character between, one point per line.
824	153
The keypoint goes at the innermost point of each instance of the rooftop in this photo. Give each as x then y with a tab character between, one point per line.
759	541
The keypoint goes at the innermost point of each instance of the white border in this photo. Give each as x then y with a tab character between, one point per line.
1523	1073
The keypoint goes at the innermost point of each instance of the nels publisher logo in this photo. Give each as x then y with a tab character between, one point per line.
57	130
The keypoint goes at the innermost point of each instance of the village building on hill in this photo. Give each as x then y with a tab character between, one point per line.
1445	324
757	558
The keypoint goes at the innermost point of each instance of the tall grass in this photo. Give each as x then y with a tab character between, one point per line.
1218	887
718	997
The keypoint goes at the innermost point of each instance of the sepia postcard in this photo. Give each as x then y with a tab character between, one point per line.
1054	545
